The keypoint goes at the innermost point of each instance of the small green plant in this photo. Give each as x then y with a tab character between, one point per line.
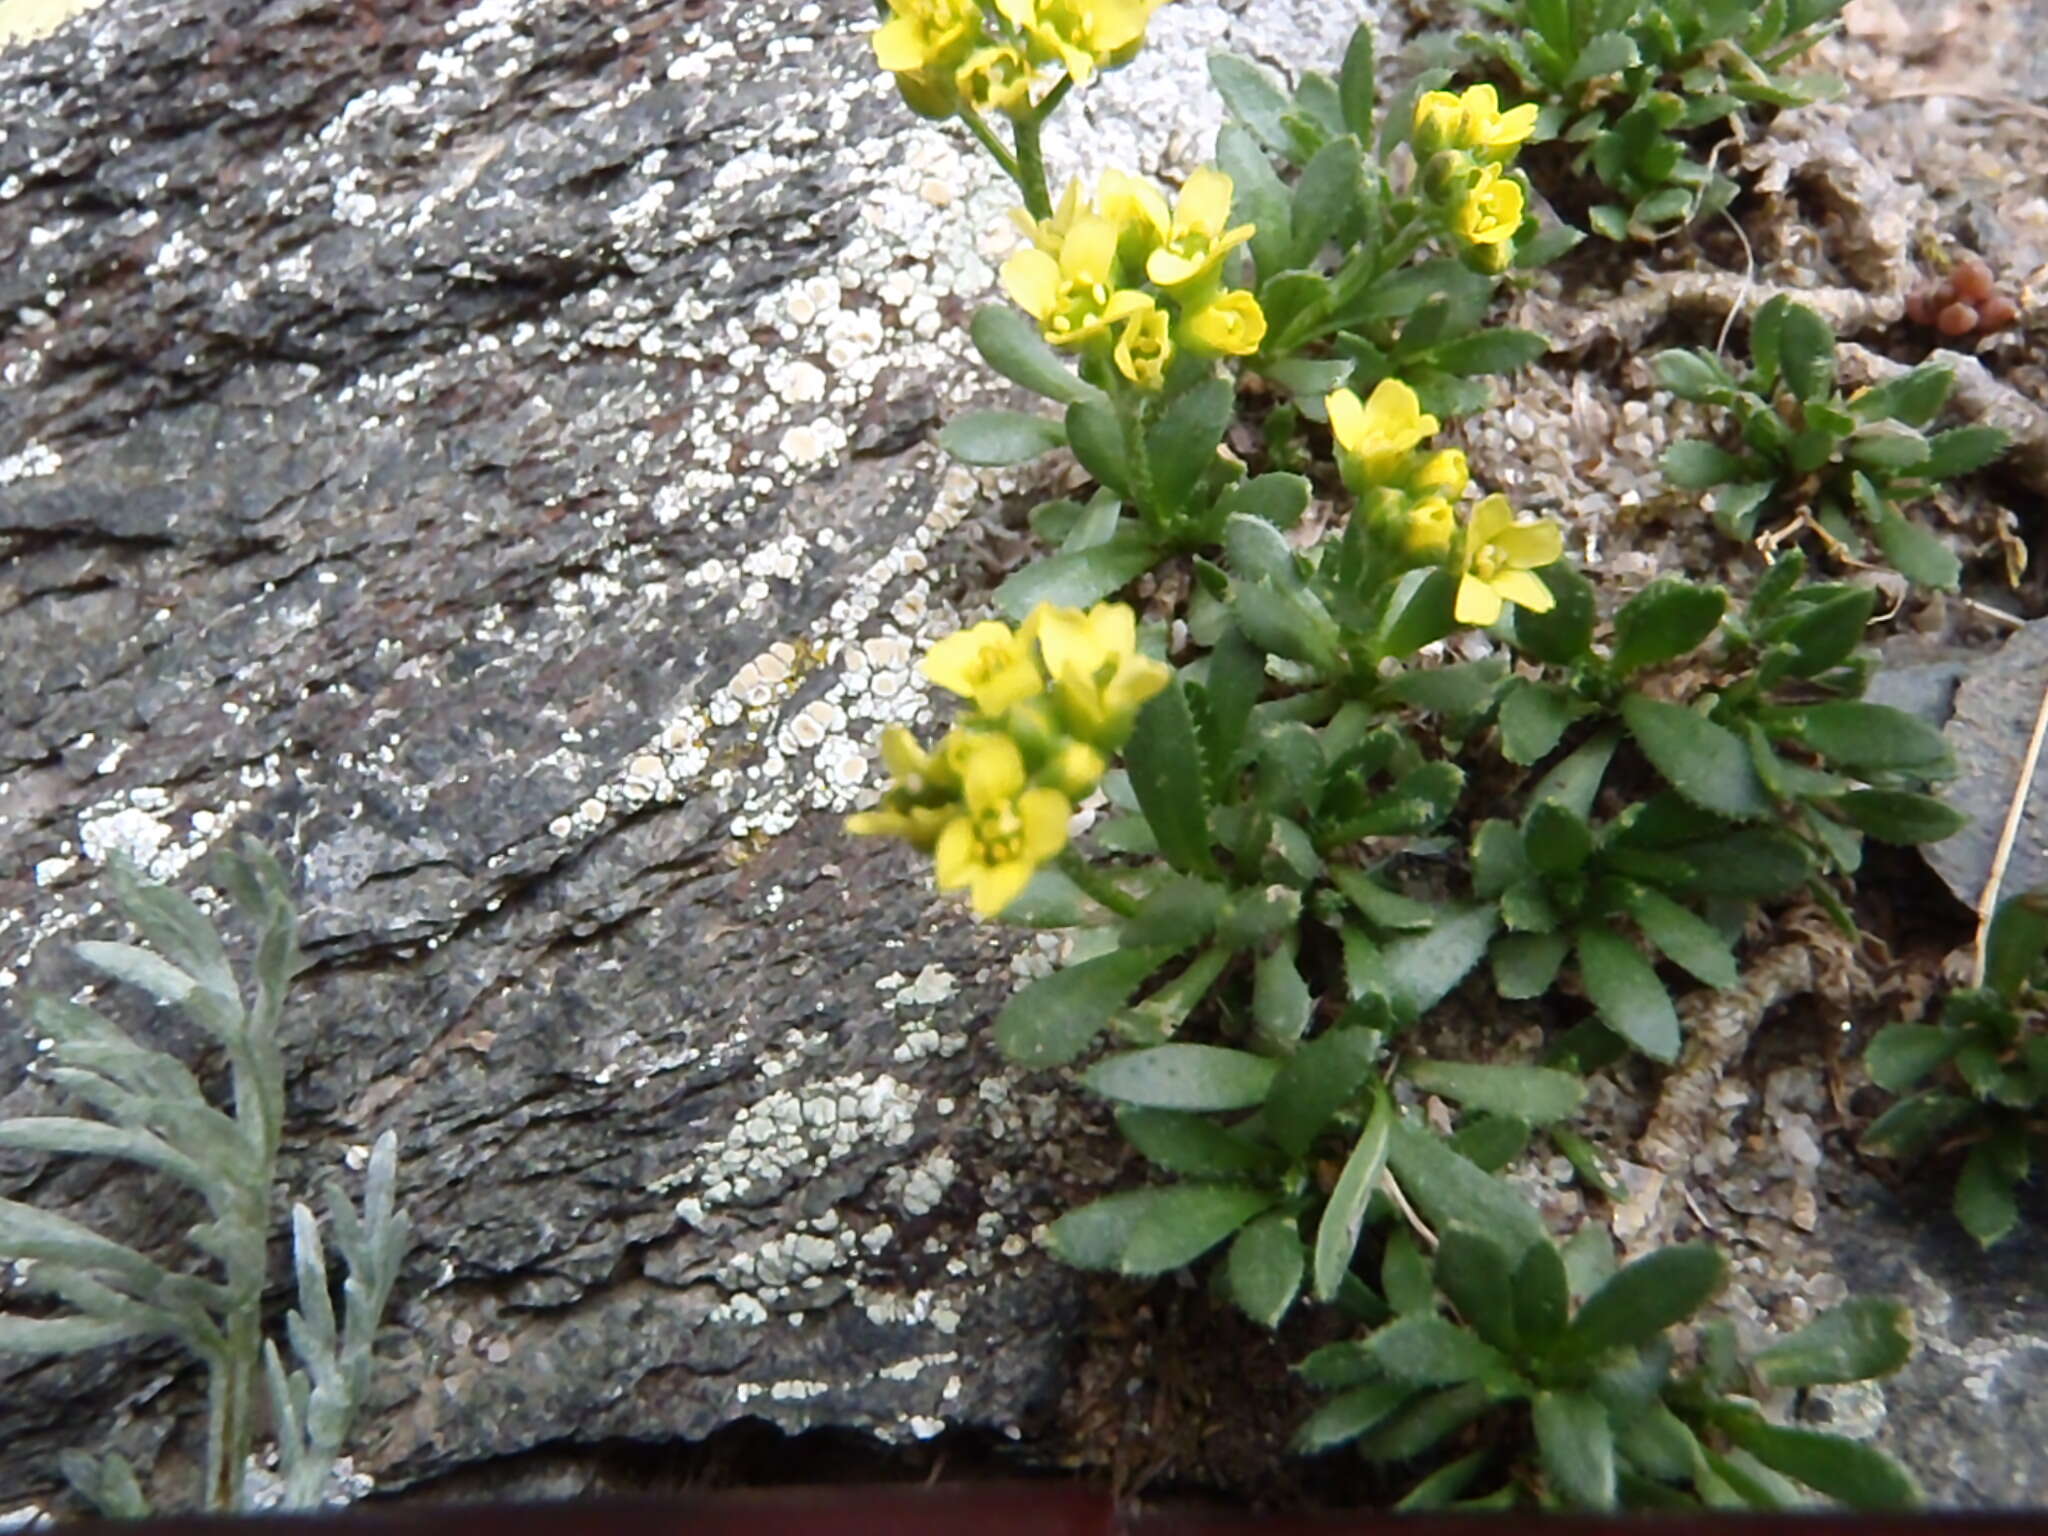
1811	458
1633	87
156	1115
1553	1384
1979	1078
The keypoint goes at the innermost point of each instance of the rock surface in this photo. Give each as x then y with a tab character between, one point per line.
482	451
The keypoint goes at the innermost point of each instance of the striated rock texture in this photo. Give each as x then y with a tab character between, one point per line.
482	451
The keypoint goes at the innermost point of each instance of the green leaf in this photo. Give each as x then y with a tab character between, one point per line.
1860	1476
1491	1141
1899	1055
1690	374
1985	1203
1317	1081
1423	967
1693	465
1862	1339
1182	446
1191	1145
1273	498
1736	507
1420	613
1576	1443
1912	1125
1643	1299
1266	1264
1538	1095
1097	438
1407	1278
1914	552
1077	578
1183	1077
1178	914
1542	1293
1961	451
1575	782
1057	1017
1255	98
1806	352
1356	87
1887	445
1500	350
70	1335
1533	719
1344	1215
1915	397
1426	1351
1704	762
1450	1191
2015	944
1095	1235
1872	738
1472	1271
1184	1222
1346	1417
1897	816
1281	1003
1259	197
1525	964
1426	1421
1163	760
1556	840
1000	437
1683	935
1009	341
1826	630
1462	688
1381	907
1665	620
1608	54
1624	988
1328	199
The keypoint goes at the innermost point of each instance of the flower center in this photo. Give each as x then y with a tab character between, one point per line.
1000	831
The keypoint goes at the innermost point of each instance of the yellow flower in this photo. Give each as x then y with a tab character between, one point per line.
1472	122
1428	528
1374	437
918	779
922	43
1231	324
1006	832
1145	348
1050	234
1444	473
1082	35
988	663
1197	240
1075	770
996	79
1500	555
1139	213
1072	296
1099	677
1491	211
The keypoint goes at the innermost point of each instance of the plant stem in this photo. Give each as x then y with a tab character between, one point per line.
1096	885
1001	154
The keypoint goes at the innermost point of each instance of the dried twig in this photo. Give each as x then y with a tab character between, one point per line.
1414	1218
1987	904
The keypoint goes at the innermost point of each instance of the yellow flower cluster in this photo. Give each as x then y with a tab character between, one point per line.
950	54
1052	701
1466	146
1411	498
1095	272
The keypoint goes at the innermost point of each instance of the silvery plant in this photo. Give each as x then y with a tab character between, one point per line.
87	1291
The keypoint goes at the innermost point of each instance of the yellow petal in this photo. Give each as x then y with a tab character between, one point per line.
1525	590
876	823
1115	627
1044	813
1482	102
1089	251
899	45
953	855
997	885
906	760
955	663
993	771
1063	637
1204	203
1515	125
1446	473
1032	278
1488	518
1395	419
1478	605
1529	546
1347	419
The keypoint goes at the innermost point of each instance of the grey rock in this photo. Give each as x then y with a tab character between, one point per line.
1989	729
